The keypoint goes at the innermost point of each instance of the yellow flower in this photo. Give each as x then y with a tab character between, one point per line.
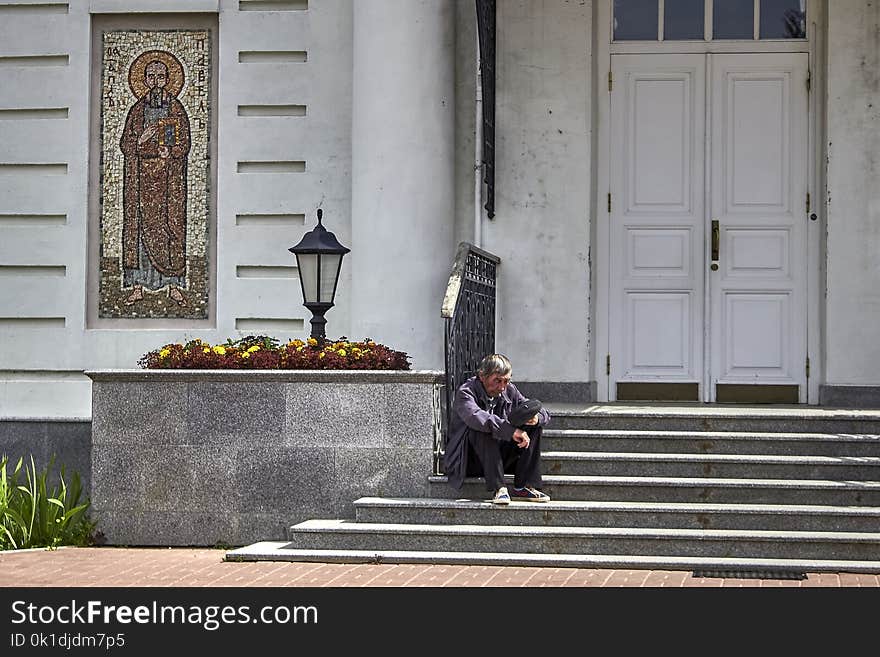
256	347
164	353
299	348
206	350
321	355
312	342
245	354
342	353
220	350
298	343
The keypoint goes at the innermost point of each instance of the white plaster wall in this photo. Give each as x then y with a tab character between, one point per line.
43	219
853	210
541	230
46	337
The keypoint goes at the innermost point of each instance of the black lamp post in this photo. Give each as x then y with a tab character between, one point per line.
319	261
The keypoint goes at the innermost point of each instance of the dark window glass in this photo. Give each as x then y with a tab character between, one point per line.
733	19
783	19
683	19
635	20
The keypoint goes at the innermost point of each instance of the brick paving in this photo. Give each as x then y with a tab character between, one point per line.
184	567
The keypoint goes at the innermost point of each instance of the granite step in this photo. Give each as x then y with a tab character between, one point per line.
696	418
734	466
320	534
619	514
280	551
683	489
717	442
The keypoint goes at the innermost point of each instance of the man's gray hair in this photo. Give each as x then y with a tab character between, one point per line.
495	364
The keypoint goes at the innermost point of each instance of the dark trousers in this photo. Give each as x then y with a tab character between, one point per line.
498	457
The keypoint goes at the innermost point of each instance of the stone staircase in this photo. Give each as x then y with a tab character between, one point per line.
772	489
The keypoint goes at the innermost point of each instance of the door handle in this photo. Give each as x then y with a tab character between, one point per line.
716	243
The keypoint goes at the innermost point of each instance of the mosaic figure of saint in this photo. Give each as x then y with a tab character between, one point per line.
155	144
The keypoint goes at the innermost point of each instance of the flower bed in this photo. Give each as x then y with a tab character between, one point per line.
260	352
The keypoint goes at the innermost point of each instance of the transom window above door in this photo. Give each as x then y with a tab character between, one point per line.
709	20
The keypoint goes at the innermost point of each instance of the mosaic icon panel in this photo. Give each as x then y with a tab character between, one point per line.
155	168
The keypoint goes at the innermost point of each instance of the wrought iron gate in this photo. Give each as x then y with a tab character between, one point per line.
469	311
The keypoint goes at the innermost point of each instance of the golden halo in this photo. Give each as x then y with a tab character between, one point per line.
138	66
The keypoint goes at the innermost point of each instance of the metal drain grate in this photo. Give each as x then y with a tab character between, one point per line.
751	574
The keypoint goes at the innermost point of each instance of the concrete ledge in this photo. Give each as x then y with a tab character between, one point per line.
849	396
207	457
265	376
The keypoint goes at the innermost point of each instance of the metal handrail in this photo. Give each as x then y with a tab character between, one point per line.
469	314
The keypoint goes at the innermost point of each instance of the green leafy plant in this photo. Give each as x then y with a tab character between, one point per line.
34	515
260	352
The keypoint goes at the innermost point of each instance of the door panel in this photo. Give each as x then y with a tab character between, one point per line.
755	165
755	334
757	253
660	137
659	337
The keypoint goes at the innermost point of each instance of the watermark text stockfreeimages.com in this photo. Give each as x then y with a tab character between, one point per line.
210	617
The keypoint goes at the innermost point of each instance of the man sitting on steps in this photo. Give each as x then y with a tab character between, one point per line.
495	429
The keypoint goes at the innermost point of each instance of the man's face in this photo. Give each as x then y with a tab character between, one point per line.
495	383
156	75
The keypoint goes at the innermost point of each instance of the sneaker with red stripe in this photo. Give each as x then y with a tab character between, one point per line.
528	494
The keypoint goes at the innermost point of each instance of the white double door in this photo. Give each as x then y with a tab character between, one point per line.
708	234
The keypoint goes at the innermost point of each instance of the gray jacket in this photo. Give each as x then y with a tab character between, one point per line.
470	413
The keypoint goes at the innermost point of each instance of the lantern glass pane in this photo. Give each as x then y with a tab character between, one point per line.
329	270
308	275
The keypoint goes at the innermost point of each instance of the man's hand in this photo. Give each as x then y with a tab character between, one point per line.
521	438
533	420
148	134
